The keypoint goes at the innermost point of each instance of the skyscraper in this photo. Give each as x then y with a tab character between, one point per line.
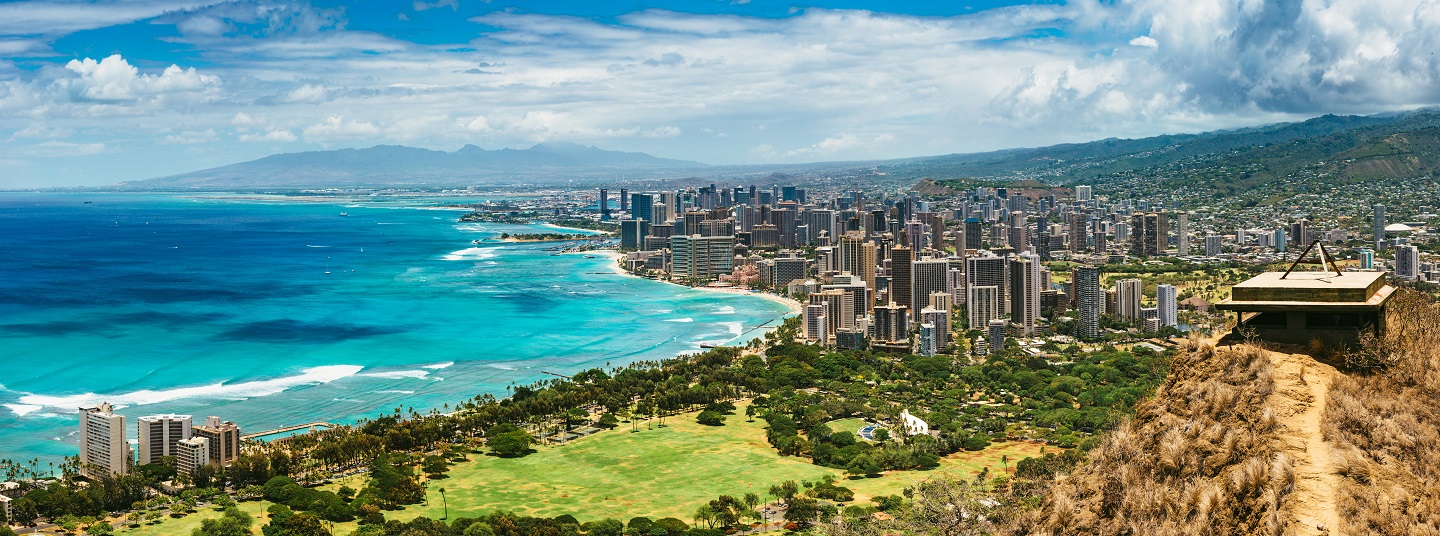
1127	299
900	279
1167	308
1090	301
1182	233
640	205
1079	236
857	256
892	323
1083	193
701	257
604	204
1025	293
996	333
1407	262
928	277
103	448
1378	226
1018	232
1213	245
159	434
974	234
982	305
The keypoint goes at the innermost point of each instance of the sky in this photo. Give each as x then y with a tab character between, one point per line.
93	93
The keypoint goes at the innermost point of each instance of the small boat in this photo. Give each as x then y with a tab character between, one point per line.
589	256
474	241
344	213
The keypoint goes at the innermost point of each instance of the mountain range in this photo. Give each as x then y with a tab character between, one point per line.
391	165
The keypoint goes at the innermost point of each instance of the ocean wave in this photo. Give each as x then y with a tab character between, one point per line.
397	392
681	320
398	374
735	328
471	254
234	391
21	410
725	310
439	366
310	246
501	367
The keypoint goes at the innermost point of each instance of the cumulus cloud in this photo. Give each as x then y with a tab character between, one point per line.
270	136
192	137
337	127
113	79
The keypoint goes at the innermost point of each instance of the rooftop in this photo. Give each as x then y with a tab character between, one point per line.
1362	289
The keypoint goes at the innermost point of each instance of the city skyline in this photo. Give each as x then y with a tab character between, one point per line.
95	94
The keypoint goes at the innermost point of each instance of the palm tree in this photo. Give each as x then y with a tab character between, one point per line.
445	502
1005	462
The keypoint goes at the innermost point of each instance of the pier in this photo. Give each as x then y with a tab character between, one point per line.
287	429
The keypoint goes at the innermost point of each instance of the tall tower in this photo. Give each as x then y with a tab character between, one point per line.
1182	233
604	204
1379	226
900	275
103	449
1024	293
1090	301
1167	309
1127	299
928	277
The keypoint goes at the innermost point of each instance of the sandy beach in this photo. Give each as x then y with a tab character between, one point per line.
795	306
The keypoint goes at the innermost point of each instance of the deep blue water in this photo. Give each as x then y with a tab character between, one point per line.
280	313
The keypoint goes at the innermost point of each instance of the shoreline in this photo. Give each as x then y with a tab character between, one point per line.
794	306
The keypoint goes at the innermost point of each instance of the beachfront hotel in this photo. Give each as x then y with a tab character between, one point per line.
159	434
191	454
222	440
103	448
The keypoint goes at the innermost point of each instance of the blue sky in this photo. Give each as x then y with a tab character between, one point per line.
94	93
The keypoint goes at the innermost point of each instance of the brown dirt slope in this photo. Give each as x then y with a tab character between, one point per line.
1384	427
1203	456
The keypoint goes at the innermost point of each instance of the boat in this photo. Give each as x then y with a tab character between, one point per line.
344	213
589	256
475	242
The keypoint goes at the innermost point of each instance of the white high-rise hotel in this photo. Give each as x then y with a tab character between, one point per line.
103	449
160	433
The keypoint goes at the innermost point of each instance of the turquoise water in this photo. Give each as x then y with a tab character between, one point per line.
282	313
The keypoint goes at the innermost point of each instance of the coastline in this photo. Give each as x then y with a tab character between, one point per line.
793	305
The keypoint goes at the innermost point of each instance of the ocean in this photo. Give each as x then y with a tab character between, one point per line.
276	313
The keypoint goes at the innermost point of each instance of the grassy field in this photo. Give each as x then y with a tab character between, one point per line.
660	472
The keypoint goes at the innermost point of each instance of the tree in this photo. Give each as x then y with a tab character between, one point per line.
604	527
511	444
234	523
711	418
25	512
102	528
445	502
479	529
802	510
5	530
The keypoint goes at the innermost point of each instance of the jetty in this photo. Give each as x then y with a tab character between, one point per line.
311	425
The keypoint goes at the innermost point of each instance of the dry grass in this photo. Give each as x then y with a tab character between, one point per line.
1199	457
1385	427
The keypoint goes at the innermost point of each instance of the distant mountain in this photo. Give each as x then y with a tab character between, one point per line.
385	165
1354	147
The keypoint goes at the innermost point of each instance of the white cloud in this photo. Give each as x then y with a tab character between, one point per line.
1144	41
273	135
114	80
192	137
310	93
337	127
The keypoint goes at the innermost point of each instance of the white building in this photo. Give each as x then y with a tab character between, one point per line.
103	448
1166	304
913	425
701	257
1127	299
191	454
159	434
982	306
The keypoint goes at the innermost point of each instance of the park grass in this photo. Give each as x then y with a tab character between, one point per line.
183	526
656	472
847	425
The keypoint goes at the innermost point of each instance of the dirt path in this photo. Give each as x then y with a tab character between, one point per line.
1301	384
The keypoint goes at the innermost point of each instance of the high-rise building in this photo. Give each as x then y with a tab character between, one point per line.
604	204
1090	301
1018	231
974	234
223	440
1083	193
1079	235
624	200
701	257
892	323
1167	308
103	448
927	339
996	334
1127	299
900	280
159	434
1407	262
191	454
816	329
1280	240
633	233
1378	226
1025	293
940	320
787	271
1182	233
982	305
1367	259
857	256
928	277
1213	245
640	205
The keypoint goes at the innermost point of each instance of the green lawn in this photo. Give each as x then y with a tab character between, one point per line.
658	472
183	526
